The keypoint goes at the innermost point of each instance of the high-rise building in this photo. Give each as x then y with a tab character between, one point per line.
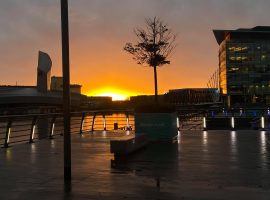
244	65
44	72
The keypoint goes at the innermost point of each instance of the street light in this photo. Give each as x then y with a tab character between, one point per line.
66	90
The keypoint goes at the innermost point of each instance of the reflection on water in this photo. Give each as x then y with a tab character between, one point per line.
222	157
156	160
33	153
233	142
263	142
205	141
233	158
178	137
104	134
233	147
179	142
53	144
8	154
100	122
233	138
263	149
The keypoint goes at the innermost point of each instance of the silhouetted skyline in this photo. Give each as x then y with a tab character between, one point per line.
99	29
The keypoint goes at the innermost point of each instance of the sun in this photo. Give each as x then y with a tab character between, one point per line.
116	94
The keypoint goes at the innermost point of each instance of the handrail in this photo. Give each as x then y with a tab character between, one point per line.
37	126
48	125
113	111
188	117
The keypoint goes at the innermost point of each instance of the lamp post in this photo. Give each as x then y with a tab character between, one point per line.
66	90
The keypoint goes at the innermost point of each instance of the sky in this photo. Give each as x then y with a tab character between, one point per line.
99	30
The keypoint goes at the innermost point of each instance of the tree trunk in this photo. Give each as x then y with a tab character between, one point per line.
156	87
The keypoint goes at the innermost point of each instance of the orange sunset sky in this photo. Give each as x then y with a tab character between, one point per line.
100	28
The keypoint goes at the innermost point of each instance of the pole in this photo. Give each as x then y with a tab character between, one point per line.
66	90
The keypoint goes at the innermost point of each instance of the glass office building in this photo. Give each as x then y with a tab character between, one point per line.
244	65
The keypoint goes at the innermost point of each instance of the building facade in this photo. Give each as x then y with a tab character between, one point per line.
142	99
57	85
244	65
44	97
191	96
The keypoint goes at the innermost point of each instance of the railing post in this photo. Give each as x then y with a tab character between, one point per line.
93	122
204	121
232	120
33	127
178	123
128	125
82	123
52	127
104	122
8	130
263	121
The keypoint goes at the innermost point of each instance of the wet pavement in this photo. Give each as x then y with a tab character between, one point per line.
199	165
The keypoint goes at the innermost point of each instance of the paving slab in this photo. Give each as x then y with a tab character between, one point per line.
199	165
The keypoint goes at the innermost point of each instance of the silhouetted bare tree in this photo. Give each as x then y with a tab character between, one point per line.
154	45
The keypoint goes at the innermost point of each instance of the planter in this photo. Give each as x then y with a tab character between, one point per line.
156	126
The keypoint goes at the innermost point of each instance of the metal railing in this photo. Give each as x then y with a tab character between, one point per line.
16	129
190	119
197	119
28	128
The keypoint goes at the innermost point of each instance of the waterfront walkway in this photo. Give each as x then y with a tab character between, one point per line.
201	165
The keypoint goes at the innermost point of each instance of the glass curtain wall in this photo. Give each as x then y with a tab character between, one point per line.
245	71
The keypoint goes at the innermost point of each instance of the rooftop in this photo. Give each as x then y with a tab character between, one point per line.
30	95
220	35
